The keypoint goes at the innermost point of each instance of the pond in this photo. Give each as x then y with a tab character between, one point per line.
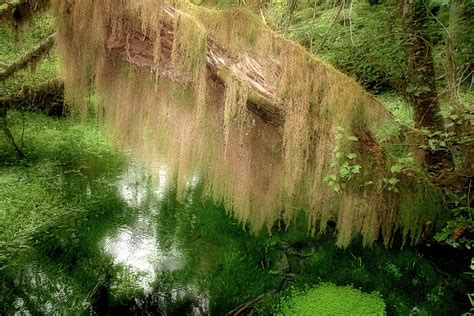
116	262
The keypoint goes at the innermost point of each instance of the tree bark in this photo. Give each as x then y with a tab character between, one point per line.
421	89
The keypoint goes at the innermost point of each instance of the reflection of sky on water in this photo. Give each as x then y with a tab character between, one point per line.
133	187
137	246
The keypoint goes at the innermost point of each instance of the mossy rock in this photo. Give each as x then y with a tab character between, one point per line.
330	299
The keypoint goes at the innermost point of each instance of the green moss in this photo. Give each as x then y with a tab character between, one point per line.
329	299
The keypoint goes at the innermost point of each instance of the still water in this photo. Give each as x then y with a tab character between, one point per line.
113	261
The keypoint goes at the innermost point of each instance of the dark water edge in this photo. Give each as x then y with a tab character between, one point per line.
87	232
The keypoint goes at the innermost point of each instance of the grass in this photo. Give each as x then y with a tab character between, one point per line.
50	206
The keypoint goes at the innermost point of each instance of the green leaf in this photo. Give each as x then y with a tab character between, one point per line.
330	177
454	117
353	139
393	181
344	172
396	169
351	156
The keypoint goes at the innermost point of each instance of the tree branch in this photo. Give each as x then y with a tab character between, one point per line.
36	53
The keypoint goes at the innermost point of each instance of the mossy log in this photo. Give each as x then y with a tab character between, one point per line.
32	56
262	99
47	97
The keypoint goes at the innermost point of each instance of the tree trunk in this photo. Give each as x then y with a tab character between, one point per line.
421	86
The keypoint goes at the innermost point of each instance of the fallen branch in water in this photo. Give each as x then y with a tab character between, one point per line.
246	307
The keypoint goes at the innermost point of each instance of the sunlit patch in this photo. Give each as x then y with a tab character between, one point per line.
133	184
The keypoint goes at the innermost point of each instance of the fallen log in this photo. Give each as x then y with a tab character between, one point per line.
263	123
263	101
47	97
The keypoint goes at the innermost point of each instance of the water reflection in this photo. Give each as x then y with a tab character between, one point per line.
137	246
49	296
117	253
134	184
139	249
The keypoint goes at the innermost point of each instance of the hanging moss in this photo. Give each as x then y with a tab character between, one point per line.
207	123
